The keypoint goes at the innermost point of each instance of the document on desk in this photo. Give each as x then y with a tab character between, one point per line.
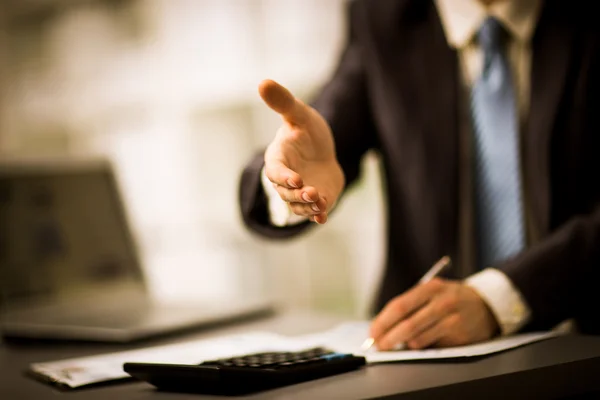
84	371
347	338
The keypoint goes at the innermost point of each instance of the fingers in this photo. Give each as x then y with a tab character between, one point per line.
304	198
280	100
445	333
280	174
309	209
305	201
307	194
403	306
410	328
320	218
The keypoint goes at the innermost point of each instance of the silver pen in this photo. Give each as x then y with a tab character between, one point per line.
432	273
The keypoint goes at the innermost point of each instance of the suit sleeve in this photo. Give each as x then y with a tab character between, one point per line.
559	277
344	103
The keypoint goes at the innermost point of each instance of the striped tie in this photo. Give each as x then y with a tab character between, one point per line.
497	175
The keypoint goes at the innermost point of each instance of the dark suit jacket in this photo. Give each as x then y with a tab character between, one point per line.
396	90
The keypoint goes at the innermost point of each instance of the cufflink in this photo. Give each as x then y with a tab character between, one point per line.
518	310
516	318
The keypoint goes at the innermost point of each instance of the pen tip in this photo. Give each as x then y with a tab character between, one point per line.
367	344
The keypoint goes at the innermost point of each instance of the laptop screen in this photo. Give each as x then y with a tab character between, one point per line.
63	234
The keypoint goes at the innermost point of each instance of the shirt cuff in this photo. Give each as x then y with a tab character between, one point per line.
504	300
279	211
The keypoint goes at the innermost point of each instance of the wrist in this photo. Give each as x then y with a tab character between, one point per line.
506	303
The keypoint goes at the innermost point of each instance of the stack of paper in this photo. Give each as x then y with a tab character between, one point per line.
345	338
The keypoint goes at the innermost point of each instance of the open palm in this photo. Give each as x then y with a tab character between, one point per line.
301	161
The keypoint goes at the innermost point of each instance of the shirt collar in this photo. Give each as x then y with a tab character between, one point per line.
462	18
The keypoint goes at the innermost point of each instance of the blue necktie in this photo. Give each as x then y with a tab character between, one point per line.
497	174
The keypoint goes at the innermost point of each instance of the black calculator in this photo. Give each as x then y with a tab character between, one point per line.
247	373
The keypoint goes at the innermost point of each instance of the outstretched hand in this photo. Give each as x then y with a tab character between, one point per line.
301	161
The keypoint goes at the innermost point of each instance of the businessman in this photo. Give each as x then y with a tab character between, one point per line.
486	118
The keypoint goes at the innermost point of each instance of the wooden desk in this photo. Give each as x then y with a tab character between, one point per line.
556	368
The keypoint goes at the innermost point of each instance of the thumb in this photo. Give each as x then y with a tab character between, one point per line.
280	100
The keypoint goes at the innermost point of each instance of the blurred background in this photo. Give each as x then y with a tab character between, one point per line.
167	90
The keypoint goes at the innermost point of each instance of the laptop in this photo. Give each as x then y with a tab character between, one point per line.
69	268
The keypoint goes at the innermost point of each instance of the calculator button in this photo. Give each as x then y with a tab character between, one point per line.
285	364
277	360
267	364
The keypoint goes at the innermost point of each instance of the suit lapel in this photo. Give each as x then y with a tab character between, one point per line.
551	47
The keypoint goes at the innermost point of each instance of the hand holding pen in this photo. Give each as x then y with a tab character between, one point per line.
435	312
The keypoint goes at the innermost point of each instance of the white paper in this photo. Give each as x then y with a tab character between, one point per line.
348	338
345	338
77	372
